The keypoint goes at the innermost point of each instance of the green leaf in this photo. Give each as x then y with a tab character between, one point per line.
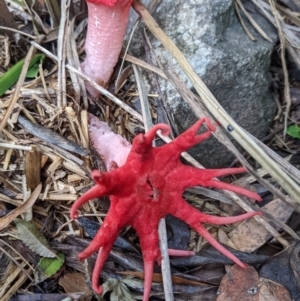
33	71
47	267
294	131
51	265
10	77
108	285
33	238
119	290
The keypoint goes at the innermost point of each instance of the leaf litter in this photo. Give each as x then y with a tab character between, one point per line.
65	176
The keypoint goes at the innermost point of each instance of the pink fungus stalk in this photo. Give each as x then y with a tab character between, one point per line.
107	24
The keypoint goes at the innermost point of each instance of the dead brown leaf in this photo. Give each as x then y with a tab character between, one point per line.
239	284
271	291
250	235
157	277
245	284
76	283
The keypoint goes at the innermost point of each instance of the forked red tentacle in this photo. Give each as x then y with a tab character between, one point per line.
150	135
215	173
236	189
191	176
180	253
94	192
190	137
148	275
205	234
107	233
101	258
195	176
194	217
142	143
93	247
218	220
101	178
139	146
96	273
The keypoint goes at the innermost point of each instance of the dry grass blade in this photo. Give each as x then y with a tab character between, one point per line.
216	109
73	59
54	11
254	24
144	65
285	35
11	185
15	146
242	22
74	78
5	221
288	31
292	16
7	159
158	278
163	240
284	164
18	277
282	39
20	255
53	197
143	99
61	74
17	264
19	32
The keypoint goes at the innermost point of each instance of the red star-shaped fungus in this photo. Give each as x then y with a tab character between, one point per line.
147	188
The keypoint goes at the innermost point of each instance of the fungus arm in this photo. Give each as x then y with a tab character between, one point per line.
205	177
107	233
150	135
148	275
205	234
149	244
94	192
191	137
194	218
233	188
101	258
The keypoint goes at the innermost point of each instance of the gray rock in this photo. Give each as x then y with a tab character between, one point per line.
234	68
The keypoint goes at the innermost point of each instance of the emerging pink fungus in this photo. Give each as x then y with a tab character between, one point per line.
113	148
147	188
107	23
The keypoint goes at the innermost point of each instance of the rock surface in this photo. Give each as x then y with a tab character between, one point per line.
234	68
